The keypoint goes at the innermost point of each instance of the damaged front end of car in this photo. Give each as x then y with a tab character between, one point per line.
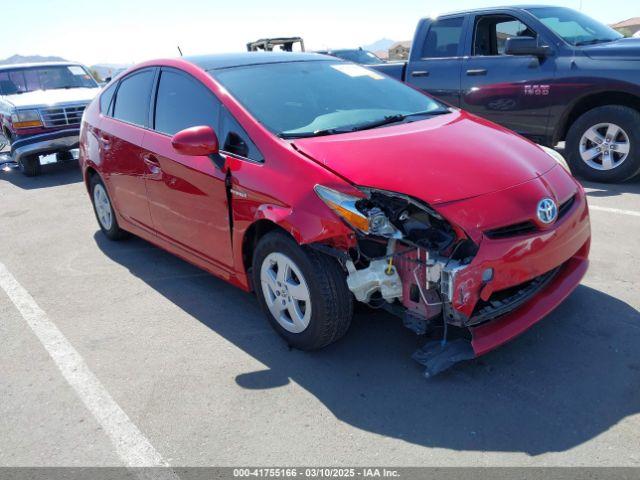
406	260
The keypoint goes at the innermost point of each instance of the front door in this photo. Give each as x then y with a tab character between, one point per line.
187	194
507	89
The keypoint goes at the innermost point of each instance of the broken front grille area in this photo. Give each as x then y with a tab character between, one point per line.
505	301
524	228
62	116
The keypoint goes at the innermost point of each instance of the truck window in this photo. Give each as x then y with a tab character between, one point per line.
492	32
443	38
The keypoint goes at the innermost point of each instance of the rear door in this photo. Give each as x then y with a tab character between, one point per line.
121	135
187	194
436	60
507	89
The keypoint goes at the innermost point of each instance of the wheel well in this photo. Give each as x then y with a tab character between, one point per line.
88	176
252	236
593	101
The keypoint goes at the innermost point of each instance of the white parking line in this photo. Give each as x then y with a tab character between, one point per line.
131	445
632	213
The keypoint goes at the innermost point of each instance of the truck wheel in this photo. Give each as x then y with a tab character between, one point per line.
30	166
64	156
303	292
603	145
104	211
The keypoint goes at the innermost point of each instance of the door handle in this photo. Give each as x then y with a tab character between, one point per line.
420	73
477	72
151	161
104	141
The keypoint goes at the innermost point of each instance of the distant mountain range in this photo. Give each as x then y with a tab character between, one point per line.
379	45
15	59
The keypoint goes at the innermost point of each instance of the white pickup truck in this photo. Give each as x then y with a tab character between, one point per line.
41	106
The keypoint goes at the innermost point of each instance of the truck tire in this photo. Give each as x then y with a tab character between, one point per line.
603	145
30	166
302	292
105	214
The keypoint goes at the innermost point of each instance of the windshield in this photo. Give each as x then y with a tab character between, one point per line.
29	79
574	27
358	56
303	98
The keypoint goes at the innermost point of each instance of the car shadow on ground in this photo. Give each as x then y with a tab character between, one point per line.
53	175
570	378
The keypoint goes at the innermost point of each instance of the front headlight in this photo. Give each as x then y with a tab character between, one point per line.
344	206
26	119
557	157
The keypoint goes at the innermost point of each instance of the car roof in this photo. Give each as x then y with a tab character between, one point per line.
230	60
503	7
36	64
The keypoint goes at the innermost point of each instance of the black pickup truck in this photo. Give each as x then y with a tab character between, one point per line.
551	74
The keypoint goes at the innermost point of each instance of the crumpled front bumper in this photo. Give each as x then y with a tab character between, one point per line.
45	143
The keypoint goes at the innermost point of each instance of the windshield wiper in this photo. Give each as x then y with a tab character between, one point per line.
398	118
365	126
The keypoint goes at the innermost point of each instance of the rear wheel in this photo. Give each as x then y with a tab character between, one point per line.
603	145
30	166
303	293
104	210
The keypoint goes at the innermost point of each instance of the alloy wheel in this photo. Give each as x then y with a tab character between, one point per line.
604	146
103	207
286	292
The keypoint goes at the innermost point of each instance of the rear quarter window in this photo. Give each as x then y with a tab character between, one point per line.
105	100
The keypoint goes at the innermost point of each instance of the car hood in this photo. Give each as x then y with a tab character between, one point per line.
623	49
45	98
441	159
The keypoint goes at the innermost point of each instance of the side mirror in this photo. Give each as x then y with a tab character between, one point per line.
107	80
196	141
526	46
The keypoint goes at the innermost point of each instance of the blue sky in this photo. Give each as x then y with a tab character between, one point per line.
93	31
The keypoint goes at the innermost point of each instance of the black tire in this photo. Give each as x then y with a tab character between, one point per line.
30	166
626	118
64	156
112	231
331	300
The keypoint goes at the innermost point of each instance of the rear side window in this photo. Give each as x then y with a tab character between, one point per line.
132	98
443	38
183	102
105	99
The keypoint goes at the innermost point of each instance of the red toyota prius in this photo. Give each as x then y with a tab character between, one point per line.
318	183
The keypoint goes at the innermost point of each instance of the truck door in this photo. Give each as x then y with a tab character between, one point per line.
435	66
507	89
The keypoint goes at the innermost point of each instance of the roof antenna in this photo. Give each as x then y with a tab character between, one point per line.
180	50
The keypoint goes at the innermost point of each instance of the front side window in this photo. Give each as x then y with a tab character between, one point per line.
493	31
321	97
235	140
443	38
54	77
132	98
183	102
574	27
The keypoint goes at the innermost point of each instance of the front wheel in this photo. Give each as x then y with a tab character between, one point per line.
603	145
303	292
